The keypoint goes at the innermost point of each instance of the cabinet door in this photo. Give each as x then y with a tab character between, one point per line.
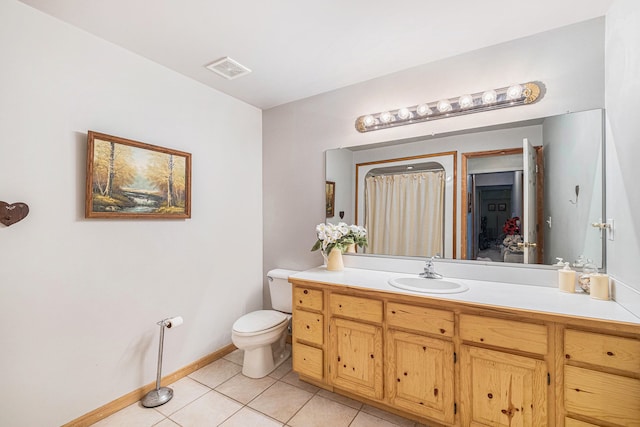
420	375
502	389
356	357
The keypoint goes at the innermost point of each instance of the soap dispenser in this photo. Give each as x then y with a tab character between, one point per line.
567	279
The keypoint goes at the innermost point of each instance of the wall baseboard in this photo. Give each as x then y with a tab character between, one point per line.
130	398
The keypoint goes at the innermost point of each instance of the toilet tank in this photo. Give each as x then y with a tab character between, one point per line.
280	289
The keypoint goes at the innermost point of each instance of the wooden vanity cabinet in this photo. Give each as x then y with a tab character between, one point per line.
420	367
500	386
355	351
447	363
601	378
308	327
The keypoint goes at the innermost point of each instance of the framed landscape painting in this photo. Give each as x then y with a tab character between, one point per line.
130	179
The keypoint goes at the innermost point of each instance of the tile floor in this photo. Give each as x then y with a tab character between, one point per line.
219	395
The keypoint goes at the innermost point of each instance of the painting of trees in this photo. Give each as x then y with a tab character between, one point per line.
112	167
167	173
130	178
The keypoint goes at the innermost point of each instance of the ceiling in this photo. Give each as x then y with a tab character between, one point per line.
299	48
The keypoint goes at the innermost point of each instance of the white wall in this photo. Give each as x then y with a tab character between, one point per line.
622	73
79	298
572	152
295	135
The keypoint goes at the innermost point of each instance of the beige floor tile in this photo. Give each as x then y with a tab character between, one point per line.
282	370
185	391
209	410
248	417
236	356
216	373
244	389
166	423
281	401
134	415
322	412
293	379
340	398
366	420
395	419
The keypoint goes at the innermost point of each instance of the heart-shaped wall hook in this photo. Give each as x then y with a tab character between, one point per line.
10	213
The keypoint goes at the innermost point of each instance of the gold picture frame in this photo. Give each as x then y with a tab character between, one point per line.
330	190
131	179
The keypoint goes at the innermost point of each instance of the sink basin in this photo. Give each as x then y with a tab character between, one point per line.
431	286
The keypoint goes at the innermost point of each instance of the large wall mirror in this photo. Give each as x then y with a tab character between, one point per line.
524	192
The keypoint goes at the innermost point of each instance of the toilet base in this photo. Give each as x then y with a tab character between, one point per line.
261	361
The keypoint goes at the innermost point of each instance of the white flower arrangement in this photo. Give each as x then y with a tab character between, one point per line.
339	236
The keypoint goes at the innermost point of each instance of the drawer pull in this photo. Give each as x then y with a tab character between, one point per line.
442	331
393	312
306	291
490	396
609	353
371	355
567	356
435	392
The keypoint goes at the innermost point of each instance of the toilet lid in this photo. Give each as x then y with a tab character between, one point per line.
260	320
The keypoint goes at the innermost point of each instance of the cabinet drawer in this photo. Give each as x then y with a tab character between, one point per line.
356	308
602	396
570	422
509	334
602	350
308	326
420	319
307	361
310	299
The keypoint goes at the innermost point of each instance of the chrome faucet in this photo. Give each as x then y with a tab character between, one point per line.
429	270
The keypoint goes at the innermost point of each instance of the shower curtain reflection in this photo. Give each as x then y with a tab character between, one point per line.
405	213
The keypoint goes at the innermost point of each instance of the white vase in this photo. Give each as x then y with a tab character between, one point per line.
351	249
334	261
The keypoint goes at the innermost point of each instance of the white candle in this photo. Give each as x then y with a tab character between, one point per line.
600	286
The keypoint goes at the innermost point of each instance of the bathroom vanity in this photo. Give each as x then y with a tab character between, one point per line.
496	355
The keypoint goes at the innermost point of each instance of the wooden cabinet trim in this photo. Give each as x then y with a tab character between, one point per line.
603	351
508	334
359	308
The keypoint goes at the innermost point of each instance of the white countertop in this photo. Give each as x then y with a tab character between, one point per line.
517	296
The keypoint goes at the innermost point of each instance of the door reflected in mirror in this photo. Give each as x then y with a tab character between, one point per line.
504	199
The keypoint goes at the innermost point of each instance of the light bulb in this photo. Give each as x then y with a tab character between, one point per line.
489	97
385	117
443	106
465	101
404	113
368	120
514	92
423	110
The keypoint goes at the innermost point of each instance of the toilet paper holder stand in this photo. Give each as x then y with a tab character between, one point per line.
161	395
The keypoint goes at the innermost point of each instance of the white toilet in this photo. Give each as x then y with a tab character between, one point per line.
263	334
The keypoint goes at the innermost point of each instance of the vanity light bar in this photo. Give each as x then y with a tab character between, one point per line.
510	96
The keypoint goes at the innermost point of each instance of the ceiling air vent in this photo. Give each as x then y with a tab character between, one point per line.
228	68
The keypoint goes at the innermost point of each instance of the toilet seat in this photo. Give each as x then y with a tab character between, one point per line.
258	322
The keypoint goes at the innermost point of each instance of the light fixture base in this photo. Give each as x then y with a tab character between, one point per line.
493	99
